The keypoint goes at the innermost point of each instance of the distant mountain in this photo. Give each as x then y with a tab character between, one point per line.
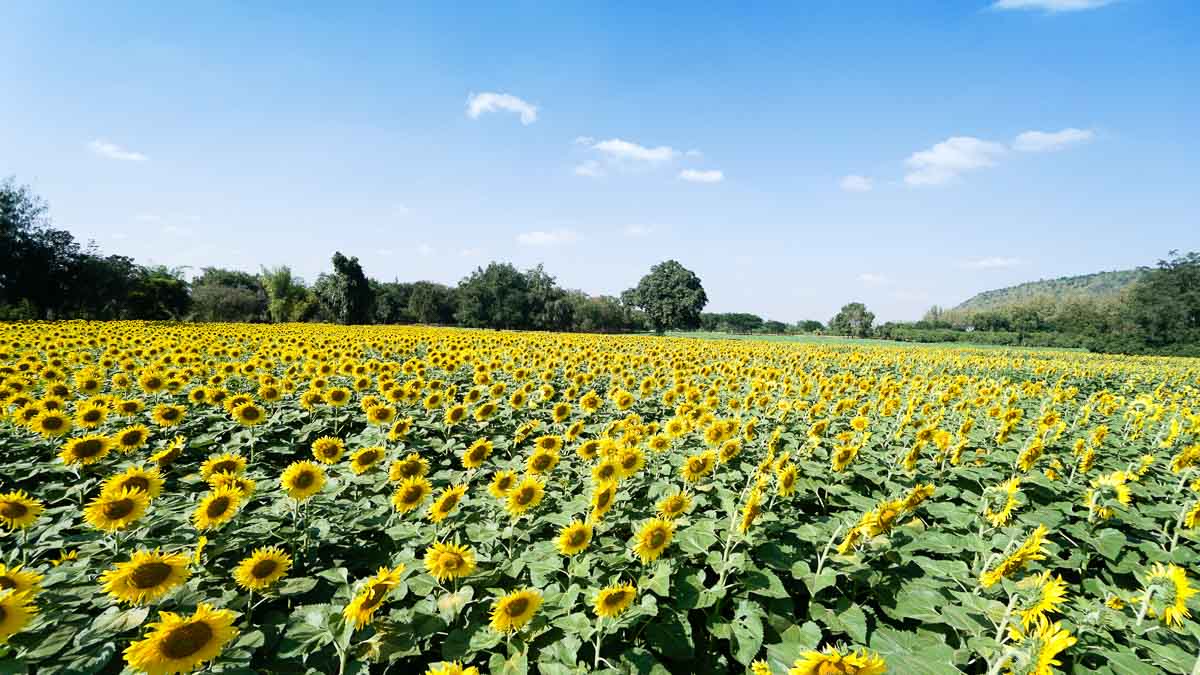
1096	285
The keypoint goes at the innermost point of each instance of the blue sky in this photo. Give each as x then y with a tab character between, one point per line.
797	156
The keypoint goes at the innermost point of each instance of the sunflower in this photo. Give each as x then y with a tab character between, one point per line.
113	511
446	502
169	453
178	644
785	479
302	480
832	661
511	612
132	437
1106	494
216	508
411	466
524	496
262	569
16	610
541	461
881	519
454	414
1041	645
631	461
361	610
337	396
1040	595
750	510
20	580
606	471
917	496
129	407
613	600
50	423
588	449
603	496
842	456
451	668
328	450
90	415
363	459
249	415
410	493
18	510
1001	501
1191	519
147	576
85	450
167	415
574	537
674	505
449	561
242	485
137	478
1167	593
1031	549
698	466
590	402
477	454
560	412
502	482
224	463
653	539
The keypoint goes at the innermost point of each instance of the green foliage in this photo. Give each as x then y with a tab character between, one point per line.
228	295
286	294
1092	286
853	320
495	297
345	295
671	296
432	303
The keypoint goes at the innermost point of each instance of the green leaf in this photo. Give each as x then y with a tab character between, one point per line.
854	622
747	632
114	621
671	637
1110	542
920	652
297	586
793	642
660	582
698	538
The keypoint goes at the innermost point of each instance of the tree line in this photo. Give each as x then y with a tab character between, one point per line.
46	274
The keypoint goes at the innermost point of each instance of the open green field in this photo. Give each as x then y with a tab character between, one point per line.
837	340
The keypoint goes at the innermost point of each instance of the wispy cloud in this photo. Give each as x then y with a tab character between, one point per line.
946	161
471	252
590	168
638	230
478	104
1052	6
616	148
547	237
855	183
991	263
696	176
872	279
1049	141
104	148
425	250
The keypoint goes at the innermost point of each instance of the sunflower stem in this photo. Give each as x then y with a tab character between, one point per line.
1178	528
1145	605
599	634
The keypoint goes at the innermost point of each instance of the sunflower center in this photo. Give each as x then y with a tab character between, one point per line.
13	510
603	499
150	575
52	423
263	569
6	583
375	596
615	598
127	438
368	457
304	479
88	448
505	483
250	413
91	416
137	483
186	640
525	496
170	414
118	509
517	607
413	494
449	502
657	538
541	462
217	507
577	537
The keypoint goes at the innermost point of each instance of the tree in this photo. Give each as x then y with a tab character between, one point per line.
549	308
432	303
345	295
494	297
853	320
671	296
286	294
809	326
391	301
159	293
228	295
1160	313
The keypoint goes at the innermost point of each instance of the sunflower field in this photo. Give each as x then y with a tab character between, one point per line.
336	499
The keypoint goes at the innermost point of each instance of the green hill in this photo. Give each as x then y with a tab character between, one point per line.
1100	284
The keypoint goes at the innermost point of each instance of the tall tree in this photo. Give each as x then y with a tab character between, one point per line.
286	293
432	303
228	295
853	320
671	296
494	297
345	295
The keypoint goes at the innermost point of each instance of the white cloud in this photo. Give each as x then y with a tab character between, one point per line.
694	153
945	161
872	279
401	210
103	148
694	176
478	104
616	148
425	250
470	252
547	238
590	168
147	218
584	140
991	263
1049	141
1051	5
638	230
854	183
